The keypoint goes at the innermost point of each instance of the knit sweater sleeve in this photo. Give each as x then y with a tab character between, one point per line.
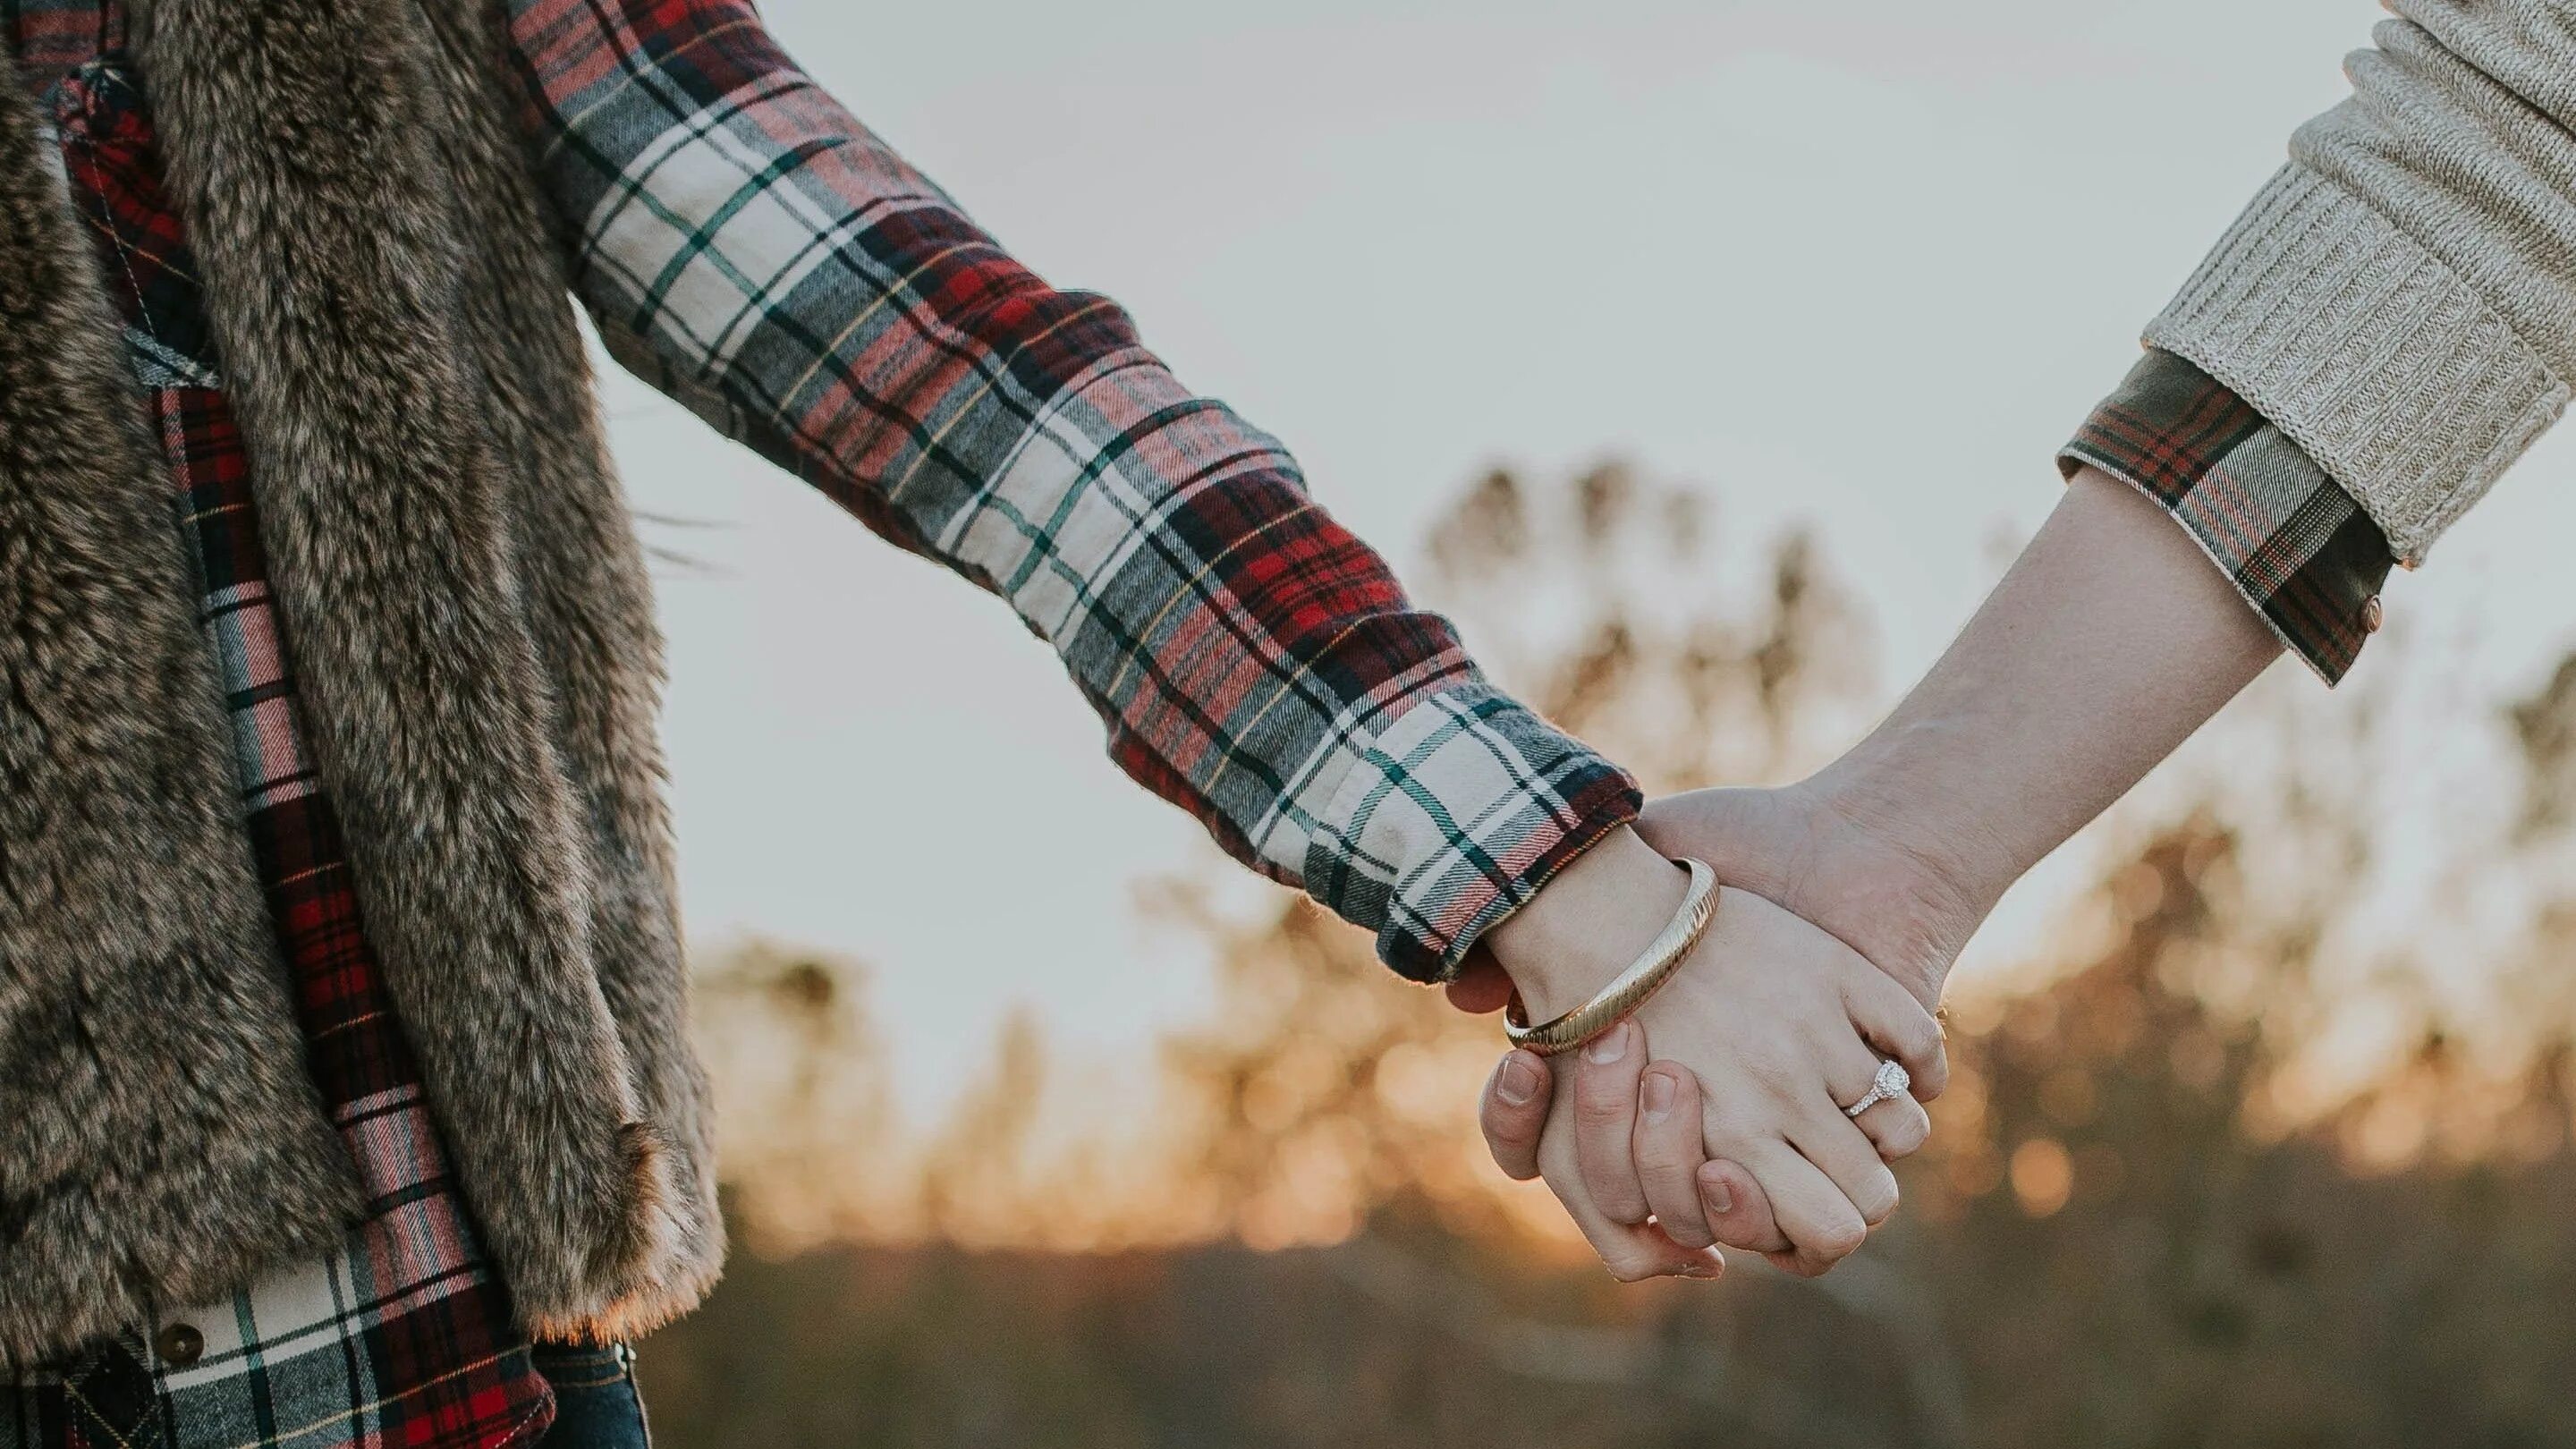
2400	299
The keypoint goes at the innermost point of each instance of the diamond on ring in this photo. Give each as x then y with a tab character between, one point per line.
1892	1082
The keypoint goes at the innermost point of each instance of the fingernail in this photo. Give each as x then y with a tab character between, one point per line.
1659	1096
1518	1083
1706	1268
1719	1196
1609	1046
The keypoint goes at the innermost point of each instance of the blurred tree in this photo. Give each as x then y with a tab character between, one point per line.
2156	1212
789	1042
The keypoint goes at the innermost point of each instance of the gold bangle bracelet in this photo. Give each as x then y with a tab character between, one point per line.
1631	987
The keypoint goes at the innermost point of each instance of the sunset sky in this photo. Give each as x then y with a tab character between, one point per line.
1862	265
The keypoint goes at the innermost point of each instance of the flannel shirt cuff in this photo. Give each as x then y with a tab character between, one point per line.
2290	538
1451	818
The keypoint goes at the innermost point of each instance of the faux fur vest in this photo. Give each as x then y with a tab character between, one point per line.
468	612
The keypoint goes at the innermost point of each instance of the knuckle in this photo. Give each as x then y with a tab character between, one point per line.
1739	1136
1625	1212
1918	1129
1836	1241
1905	1138
1598	1117
1775	1077
1600	1102
1661	1164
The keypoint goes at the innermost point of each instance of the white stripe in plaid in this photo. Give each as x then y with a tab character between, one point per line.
1441	804
749	247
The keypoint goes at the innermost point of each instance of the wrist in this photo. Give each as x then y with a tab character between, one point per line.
1905	889
1840	859
1588	923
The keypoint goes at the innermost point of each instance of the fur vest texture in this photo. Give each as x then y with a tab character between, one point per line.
468	612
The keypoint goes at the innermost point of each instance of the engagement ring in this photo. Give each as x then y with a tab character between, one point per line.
1892	1082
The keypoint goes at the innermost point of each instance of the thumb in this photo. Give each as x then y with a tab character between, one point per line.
1514	1113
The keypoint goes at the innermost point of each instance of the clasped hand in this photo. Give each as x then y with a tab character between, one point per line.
1716	1114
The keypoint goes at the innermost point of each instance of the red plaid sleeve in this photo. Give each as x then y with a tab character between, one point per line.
745	244
2294	543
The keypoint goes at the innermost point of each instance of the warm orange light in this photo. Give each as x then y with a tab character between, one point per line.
2043	1176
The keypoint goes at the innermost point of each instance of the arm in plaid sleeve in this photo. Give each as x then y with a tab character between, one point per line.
2292	541
747	246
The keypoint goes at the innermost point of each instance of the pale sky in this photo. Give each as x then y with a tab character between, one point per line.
1862	265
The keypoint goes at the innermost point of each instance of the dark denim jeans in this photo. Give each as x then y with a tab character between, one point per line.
596	1406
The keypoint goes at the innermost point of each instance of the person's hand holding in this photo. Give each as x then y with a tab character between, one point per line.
1799	850
1769	1026
2109	641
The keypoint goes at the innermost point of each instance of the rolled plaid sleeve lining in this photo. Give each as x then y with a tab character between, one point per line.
2292	540
747	246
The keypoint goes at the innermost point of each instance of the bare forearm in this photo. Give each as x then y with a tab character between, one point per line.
2111	639
2107	644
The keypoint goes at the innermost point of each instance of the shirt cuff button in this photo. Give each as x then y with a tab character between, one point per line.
179	1345
2372	615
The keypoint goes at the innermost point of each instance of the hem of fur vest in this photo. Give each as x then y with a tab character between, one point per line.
118	1255
662	1261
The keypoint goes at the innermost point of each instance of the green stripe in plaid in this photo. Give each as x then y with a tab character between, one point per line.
2295	544
748	247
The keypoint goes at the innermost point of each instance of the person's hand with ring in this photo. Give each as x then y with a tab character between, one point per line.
1769	1029
2107	644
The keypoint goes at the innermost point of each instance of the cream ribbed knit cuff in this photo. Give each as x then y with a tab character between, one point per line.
2368	351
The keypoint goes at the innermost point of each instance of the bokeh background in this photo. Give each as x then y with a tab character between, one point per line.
1704	360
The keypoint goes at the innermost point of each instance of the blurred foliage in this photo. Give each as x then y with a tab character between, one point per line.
2154	1212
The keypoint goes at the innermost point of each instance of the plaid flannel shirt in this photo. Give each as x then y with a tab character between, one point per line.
746	245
